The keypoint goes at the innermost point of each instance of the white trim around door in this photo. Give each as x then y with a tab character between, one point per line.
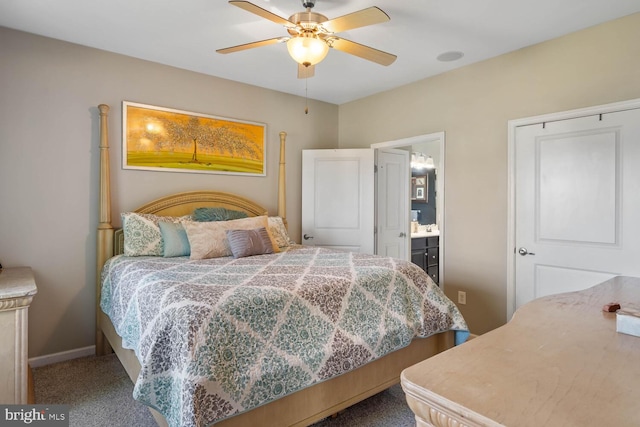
440	186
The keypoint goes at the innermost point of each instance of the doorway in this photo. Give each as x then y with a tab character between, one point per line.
340	208
430	145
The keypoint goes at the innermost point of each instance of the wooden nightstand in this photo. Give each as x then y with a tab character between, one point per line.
17	288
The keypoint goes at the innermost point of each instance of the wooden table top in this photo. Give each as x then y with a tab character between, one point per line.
558	362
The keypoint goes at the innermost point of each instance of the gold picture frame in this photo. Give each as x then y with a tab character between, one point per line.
170	140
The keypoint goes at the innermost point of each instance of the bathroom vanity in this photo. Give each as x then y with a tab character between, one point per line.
425	252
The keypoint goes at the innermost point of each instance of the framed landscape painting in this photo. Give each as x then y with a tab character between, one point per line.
164	139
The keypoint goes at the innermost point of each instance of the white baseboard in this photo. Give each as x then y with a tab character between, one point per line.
36	362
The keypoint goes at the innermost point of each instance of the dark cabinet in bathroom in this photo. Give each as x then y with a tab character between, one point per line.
425	253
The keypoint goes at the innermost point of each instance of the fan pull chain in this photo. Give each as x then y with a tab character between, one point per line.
306	96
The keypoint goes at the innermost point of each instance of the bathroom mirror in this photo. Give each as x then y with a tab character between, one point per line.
419	188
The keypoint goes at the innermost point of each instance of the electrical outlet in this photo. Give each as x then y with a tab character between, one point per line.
462	297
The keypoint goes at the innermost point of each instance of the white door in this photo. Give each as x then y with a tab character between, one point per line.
393	203
338	199
577	203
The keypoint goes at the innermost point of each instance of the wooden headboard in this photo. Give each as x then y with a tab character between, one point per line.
111	242
181	204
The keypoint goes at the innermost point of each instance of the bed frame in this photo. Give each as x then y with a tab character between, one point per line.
297	409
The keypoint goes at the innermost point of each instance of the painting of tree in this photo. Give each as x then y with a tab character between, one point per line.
158	138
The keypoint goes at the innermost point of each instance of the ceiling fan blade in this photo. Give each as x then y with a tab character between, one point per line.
306	72
250	7
252	45
364	52
362	18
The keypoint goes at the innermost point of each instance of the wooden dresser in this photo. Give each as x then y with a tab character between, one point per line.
17	288
558	362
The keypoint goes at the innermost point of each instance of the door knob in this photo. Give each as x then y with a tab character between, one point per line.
402	234
307	237
524	251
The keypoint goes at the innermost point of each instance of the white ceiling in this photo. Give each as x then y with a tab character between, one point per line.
186	33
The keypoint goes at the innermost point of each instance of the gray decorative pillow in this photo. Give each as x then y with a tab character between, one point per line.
217	214
245	243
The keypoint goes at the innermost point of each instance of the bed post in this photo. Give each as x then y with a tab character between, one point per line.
104	249
282	185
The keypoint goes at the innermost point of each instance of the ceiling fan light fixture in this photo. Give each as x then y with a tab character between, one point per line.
307	50
312	34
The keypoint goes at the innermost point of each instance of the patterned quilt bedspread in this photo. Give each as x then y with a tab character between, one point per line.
220	336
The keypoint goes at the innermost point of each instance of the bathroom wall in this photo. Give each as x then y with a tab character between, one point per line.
427	210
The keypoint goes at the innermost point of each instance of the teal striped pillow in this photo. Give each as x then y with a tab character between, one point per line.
217	214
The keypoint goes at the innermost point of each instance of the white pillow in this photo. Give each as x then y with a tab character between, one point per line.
209	239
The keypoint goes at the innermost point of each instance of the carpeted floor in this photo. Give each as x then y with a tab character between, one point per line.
98	391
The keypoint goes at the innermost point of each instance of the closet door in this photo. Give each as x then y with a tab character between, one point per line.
577	203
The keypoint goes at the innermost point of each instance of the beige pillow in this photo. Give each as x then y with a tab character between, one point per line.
279	231
209	239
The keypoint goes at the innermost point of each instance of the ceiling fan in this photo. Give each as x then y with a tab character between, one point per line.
312	34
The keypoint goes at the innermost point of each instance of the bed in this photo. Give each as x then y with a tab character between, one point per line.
285	385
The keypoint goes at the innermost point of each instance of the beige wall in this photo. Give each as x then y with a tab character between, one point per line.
49	91
472	105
